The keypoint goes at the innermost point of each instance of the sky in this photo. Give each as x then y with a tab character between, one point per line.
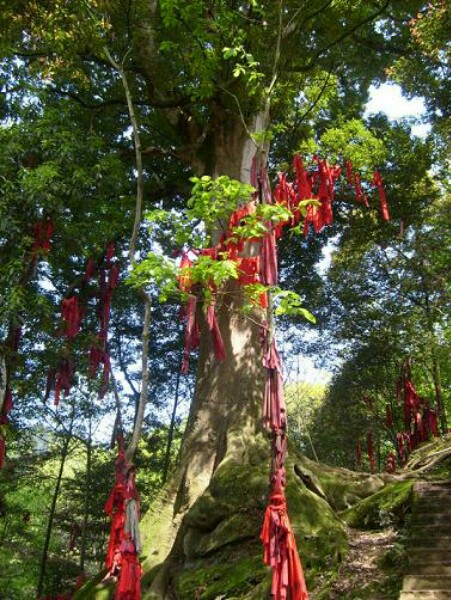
388	99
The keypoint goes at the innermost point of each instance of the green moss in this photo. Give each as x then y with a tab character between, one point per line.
238	527
207	512
236	484
342	487
231	579
223	556
386	507
96	589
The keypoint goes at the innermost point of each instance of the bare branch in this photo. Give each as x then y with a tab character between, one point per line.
139	417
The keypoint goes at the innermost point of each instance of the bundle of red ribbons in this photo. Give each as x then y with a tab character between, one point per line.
316	184
72	314
420	422
123	506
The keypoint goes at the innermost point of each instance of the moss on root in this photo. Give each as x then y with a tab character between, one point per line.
386	507
96	589
222	556
342	487
224	577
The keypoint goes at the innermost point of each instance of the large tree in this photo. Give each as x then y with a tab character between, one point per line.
205	86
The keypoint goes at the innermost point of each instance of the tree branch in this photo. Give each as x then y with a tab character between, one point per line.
312	62
139	417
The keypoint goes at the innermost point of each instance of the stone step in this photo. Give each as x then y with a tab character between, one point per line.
431	507
414	583
431	530
433	495
430	569
437	542
428	556
426	595
432	485
432	518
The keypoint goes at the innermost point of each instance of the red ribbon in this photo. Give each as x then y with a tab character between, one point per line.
280	552
70	313
377	182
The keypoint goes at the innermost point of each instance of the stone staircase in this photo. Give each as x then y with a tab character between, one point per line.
429	572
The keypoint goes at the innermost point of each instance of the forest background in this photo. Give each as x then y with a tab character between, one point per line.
107	110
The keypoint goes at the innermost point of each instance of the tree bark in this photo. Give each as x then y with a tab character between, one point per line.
86	508
48	533
3	381
139	417
225	414
438	393
167	458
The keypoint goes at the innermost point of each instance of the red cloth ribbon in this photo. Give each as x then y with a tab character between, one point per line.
377	182
90	269
401	447
249	270
113	278
268	259
274	409
191	331
303	187
280	552
122	555
215	332
359	452
43	231
70	313
390	464
64	379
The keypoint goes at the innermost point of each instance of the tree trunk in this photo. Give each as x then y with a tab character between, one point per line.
438	393
167	458
3	381
86	509
48	533
225	414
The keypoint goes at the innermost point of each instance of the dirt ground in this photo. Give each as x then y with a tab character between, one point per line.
360	569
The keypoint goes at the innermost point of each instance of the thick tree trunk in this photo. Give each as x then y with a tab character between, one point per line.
438	393
225	414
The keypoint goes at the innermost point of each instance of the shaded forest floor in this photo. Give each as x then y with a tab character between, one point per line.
361	572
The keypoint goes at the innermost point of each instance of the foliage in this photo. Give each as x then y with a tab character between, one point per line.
200	73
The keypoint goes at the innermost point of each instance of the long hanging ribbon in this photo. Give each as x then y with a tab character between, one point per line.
377	182
215	332
280	553
70	313
124	546
279	544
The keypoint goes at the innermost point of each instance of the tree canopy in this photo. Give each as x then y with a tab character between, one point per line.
127	133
